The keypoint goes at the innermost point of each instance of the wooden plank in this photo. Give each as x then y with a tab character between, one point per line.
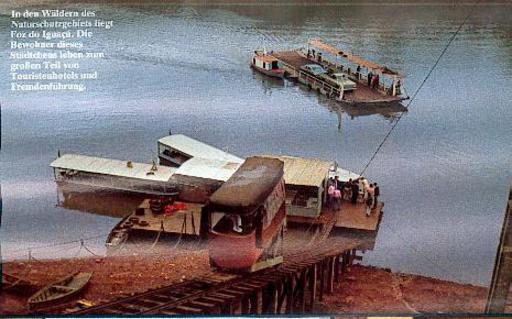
304	283
312	286
322	280
330	275
289	296
337	269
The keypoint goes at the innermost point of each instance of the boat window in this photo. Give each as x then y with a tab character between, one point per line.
303	196
176	156
231	223
274	65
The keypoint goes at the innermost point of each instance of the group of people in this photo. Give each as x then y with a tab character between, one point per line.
353	190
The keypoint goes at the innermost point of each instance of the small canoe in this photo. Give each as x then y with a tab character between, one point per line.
11	283
60	291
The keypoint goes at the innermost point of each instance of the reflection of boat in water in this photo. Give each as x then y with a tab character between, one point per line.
92	200
387	110
269	83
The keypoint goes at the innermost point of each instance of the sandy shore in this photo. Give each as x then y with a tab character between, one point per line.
370	290
363	289
113	277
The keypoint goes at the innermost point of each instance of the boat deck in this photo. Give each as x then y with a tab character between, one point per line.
353	216
293	60
349	216
186	222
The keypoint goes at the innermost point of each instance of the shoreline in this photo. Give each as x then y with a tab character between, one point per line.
362	289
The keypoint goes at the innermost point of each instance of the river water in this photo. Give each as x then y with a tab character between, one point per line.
444	172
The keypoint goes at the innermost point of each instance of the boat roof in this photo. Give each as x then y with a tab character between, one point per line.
301	171
265	58
208	168
251	184
343	174
113	167
353	58
195	148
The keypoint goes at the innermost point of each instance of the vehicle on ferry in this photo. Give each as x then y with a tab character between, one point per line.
244	220
267	64
338	80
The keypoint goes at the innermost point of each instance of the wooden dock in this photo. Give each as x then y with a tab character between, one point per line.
292	61
290	288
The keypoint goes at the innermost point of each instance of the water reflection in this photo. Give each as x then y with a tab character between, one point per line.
389	111
97	201
268	83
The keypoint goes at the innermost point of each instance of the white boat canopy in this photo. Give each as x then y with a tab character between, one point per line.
304	171
208	168
113	167
382	69
195	148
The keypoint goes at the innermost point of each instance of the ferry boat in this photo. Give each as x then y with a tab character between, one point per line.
267	64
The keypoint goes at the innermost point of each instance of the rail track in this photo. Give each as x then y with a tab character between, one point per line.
290	287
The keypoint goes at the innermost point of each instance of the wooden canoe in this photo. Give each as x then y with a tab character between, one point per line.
60	291
11	283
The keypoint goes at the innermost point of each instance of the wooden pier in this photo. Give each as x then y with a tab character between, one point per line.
292	287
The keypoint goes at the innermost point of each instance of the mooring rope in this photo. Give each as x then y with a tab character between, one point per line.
420	86
82	243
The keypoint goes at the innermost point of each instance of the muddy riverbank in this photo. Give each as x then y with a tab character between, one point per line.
363	289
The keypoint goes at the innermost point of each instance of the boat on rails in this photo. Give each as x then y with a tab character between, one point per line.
244	221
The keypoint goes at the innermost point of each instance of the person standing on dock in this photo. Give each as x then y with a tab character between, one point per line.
376	192
370	190
370	76
375	80
355	191
330	195
368	206
337	199
347	190
358	72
